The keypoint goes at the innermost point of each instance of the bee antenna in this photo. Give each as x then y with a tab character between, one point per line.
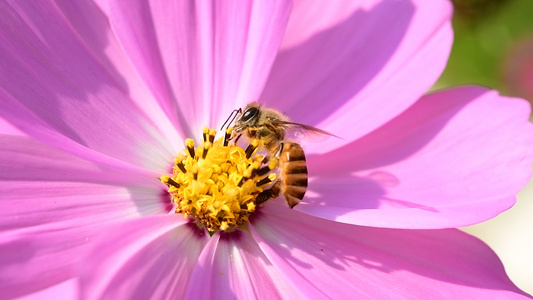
231	117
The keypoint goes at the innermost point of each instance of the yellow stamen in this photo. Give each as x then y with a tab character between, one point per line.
217	183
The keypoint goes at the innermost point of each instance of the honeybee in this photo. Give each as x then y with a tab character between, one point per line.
271	127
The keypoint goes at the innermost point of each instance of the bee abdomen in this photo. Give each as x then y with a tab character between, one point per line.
295	167
294	173
296	179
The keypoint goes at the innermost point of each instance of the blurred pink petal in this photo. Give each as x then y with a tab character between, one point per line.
53	205
89	108
149	258
233	266
354	67
452	159
326	259
518	68
8	128
65	290
201	58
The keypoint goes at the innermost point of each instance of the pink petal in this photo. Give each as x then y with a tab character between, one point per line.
232	266
103	5
8	128
63	81
455	158
65	290
202	58
53	205
326	259
82	16
148	258
350	66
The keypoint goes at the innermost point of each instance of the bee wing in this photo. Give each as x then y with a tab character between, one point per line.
304	132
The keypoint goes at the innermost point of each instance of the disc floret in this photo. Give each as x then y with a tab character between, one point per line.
218	184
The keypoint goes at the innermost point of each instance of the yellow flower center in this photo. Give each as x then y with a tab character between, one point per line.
218	184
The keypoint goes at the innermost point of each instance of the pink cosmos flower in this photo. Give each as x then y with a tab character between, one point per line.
97	100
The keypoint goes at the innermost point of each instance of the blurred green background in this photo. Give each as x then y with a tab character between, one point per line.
493	47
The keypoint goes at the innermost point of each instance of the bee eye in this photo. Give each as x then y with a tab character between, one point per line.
249	113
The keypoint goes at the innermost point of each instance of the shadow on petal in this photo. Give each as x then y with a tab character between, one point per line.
336	63
426	168
325	258
398	139
64	84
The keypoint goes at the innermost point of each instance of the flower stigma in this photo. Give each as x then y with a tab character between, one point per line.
218	184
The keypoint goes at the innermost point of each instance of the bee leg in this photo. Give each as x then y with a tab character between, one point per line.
272	192
265	160
236	139
280	149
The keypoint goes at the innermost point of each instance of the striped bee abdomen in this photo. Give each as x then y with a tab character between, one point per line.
293	172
